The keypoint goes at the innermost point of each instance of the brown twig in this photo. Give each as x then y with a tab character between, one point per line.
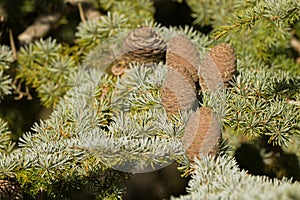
12	45
19	92
295	43
86	9
81	12
91	13
41	26
75	2
44	23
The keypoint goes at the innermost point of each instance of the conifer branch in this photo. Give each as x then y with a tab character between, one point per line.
102	123
218	179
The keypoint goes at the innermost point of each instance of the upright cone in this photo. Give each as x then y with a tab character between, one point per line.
217	68
202	134
183	56
178	94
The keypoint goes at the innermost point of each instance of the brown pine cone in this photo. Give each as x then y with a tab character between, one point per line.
10	190
177	93
202	134
141	45
183	56
218	67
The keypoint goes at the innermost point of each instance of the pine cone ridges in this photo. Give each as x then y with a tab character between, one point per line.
142	45
202	134
218	67
224	57
177	93
183	56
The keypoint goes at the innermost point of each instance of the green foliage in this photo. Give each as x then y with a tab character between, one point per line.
6	60
220	178
6	145
258	103
118	20
51	160
138	90
276	15
6	57
135	11
45	66
76	143
5	84
91	33
102	123
260	30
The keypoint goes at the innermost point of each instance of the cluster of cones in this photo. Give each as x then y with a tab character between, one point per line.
202	134
187	72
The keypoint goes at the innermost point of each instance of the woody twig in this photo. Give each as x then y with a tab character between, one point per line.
40	27
18	91
86	9
296	46
45	22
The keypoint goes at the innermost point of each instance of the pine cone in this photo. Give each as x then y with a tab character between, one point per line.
142	45
218	67
183	56
177	93
10	190
202	134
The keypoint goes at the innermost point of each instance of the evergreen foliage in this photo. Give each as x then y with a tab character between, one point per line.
46	67
6	59
103	126
222	179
